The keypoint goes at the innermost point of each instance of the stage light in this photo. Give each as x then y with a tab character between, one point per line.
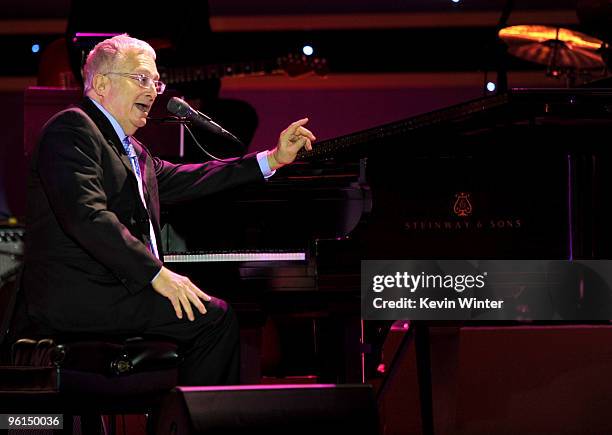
491	86
307	50
455	1
35	48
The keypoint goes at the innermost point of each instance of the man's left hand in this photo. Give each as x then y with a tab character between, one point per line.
290	141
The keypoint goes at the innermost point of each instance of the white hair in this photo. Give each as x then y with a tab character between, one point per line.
107	53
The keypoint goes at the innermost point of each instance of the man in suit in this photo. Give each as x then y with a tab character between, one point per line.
93	262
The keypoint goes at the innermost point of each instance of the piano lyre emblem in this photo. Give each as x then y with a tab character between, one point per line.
462	206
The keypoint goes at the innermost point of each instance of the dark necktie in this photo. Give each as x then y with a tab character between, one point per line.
129	149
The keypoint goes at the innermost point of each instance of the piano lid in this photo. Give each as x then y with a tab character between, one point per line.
519	105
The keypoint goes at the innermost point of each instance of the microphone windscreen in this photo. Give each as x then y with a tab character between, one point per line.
178	107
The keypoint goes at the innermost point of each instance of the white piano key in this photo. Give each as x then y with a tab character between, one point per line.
234	257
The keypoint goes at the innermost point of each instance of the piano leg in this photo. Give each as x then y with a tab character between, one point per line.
250	355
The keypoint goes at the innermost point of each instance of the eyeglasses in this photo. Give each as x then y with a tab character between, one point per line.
143	80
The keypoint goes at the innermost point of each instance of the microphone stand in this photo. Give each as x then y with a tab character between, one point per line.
183	120
167	120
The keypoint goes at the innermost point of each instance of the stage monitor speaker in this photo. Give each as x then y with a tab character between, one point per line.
270	410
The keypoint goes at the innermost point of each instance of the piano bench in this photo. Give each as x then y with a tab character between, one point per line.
100	375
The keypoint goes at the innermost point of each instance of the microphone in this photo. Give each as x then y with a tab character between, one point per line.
180	108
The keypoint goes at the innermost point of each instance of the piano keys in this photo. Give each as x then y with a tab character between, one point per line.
233	256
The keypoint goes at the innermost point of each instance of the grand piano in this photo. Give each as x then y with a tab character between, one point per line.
521	175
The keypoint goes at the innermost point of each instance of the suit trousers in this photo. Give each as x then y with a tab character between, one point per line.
209	346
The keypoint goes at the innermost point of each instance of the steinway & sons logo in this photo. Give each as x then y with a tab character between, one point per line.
462	207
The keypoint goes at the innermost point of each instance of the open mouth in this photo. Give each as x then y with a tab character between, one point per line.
143	107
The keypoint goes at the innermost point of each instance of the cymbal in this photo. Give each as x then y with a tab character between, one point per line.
553	46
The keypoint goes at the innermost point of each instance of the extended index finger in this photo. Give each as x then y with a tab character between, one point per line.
297	124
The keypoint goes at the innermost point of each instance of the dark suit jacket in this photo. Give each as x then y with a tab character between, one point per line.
87	266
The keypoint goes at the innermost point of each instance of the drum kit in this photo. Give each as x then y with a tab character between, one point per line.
565	53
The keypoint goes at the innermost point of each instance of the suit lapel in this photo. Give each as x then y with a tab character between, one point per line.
124	159
109	134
